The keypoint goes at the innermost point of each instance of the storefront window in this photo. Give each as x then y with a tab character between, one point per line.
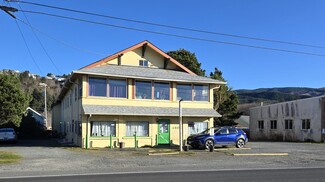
162	91
97	87
117	88
143	90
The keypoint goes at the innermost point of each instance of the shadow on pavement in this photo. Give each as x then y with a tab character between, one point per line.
32	143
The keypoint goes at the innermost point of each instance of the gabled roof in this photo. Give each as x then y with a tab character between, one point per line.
37	113
155	48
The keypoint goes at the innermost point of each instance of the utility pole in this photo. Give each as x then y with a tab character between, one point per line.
45	105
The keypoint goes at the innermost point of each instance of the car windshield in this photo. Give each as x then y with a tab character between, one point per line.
6	130
207	131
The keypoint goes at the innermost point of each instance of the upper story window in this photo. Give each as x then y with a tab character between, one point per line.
161	91
143	63
201	93
184	92
117	88
195	93
97	86
80	87
143	90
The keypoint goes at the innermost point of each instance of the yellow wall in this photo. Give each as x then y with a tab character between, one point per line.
71	113
151	140
153	127
155	60
56	118
72	110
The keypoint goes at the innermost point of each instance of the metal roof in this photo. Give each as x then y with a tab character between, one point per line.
146	73
147	111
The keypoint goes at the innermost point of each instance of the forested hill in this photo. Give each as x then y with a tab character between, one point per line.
251	98
30	83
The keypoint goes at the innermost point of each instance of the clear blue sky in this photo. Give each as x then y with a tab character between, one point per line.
300	21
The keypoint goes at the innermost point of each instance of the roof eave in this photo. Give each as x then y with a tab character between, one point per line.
145	78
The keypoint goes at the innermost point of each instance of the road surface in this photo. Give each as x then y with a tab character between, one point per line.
294	175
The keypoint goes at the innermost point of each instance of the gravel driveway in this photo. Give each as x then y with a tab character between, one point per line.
45	157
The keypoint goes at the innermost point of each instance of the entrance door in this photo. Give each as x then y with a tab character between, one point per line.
163	131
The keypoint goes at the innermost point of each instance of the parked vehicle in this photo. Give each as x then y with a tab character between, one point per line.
8	135
222	136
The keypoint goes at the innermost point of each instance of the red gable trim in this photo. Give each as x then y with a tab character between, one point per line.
111	57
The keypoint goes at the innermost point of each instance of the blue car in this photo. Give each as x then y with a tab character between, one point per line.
222	136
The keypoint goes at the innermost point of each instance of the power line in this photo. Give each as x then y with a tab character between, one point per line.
174	35
39	41
59	41
170	26
30	53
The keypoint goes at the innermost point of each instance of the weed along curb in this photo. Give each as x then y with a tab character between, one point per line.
9	157
262	154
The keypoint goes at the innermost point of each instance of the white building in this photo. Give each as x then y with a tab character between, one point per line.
41	120
299	120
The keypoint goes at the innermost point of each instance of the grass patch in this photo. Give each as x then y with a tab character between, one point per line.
9	157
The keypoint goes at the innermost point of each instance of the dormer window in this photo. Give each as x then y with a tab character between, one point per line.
143	63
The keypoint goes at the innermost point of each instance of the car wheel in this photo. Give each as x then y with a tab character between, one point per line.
240	143
208	143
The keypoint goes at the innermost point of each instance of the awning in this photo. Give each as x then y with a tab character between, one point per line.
147	111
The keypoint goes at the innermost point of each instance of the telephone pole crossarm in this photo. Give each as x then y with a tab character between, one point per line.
8	10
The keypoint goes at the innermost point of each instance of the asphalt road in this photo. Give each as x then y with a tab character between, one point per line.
269	175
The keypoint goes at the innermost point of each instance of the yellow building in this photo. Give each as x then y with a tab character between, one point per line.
132	98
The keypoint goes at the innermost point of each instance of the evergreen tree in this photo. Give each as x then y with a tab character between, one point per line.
13	99
187	59
225	102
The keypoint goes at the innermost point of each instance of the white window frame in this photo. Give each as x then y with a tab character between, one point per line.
288	124
260	124
274	124
144	63
304	125
111	124
197	129
136	126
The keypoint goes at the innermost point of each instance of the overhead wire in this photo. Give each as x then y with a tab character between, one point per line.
170	26
39	41
174	35
59	41
29	51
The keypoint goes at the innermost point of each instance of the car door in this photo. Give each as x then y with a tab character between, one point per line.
232	136
2	134
220	137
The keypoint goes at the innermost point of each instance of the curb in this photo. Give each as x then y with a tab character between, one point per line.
170	153
223	149
262	154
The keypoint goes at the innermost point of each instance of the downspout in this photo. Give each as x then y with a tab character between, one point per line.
87	138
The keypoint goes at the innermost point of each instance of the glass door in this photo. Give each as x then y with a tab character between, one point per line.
163	131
